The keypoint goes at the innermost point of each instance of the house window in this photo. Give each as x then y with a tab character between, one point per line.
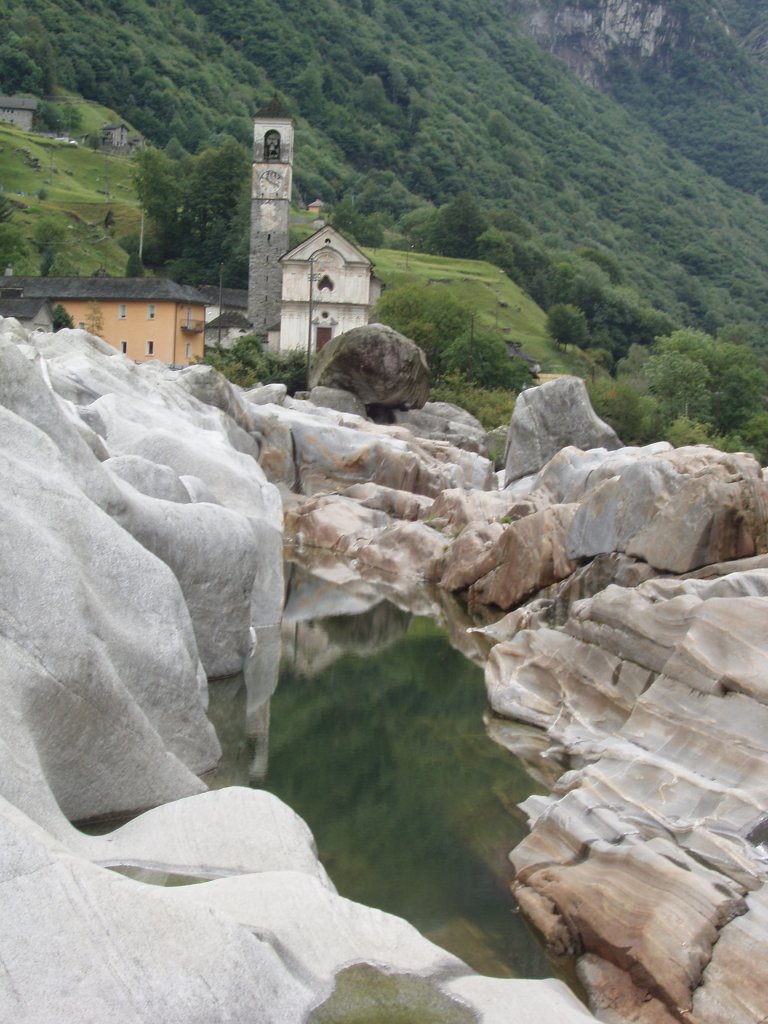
81	325
151	311
188	350
124	347
150	348
122	311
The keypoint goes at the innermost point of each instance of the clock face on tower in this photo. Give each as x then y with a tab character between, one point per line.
270	182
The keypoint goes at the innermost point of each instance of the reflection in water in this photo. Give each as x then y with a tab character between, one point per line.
375	737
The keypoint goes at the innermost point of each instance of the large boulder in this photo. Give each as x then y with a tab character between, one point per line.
377	364
550	417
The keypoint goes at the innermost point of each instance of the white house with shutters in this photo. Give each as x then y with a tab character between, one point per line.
328	288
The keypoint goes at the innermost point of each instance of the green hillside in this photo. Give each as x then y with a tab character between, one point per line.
500	304
61	195
403	105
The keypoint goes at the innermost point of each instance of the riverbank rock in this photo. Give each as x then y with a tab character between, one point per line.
644	857
549	417
140	533
669	510
375	363
441	421
336	398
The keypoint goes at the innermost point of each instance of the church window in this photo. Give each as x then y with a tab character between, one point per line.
272	145
325	283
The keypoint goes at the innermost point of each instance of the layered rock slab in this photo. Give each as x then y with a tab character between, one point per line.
549	417
642	856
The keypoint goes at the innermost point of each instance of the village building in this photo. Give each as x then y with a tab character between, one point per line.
271	186
226	315
302	297
34	314
328	288
145	318
118	140
18	110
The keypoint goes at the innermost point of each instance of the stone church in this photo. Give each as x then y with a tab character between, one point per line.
302	297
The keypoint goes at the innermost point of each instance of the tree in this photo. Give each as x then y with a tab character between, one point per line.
430	315
94	318
159	187
567	325
457	228
61	318
681	385
684	431
134	267
482	358
712	382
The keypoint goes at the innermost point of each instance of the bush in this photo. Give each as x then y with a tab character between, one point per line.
492	406
246	364
483	358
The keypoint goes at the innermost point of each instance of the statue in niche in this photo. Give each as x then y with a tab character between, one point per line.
272	145
325	284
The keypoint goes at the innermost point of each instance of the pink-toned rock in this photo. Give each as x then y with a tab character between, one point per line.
677	510
529	555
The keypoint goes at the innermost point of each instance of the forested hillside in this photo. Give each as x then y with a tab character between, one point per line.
403	106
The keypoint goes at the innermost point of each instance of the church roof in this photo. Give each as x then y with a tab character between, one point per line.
326	236
274	109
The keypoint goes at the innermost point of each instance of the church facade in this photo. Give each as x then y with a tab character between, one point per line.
328	288
322	287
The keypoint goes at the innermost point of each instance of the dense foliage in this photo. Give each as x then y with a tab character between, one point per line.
688	388
198	208
247	365
404	109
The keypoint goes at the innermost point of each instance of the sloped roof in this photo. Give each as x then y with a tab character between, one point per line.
335	240
157	289
229	318
274	109
236	297
21	309
18	102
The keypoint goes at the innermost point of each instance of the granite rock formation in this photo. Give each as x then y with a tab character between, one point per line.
142	554
375	363
550	417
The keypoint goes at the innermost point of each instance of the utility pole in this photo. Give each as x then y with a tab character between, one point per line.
221	279
471	346
311	298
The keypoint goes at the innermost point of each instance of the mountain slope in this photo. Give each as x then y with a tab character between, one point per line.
402	103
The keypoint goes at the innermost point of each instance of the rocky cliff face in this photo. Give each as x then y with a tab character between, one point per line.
589	34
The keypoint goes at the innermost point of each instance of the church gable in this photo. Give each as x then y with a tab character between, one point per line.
327	238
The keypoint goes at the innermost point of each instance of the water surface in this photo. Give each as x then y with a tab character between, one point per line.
374	735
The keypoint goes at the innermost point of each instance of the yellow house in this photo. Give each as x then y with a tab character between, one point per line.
145	318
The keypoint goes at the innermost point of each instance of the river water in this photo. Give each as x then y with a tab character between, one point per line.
374	735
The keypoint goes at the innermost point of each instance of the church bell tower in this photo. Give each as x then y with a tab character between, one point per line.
270	205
